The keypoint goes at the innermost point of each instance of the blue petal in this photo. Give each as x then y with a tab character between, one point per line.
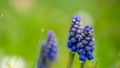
91	57
81	52
73	48
88	54
82	58
69	45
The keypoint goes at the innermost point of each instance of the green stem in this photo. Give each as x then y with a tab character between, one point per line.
82	65
71	59
36	57
49	63
37	52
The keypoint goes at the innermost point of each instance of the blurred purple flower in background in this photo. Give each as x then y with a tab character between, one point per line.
51	46
48	53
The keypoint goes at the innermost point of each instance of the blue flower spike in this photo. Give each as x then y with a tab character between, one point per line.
74	34
81	41
85	45
41	59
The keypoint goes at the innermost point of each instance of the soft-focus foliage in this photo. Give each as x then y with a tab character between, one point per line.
24	22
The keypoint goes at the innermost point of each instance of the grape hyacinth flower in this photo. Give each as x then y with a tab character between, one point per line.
51	46
48	52
74	34
85	46
42	60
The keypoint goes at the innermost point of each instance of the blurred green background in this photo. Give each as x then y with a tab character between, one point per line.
23	23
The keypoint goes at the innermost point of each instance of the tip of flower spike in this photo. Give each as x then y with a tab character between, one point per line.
50	34
87	28
75	18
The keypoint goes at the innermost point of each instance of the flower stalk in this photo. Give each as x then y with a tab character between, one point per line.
82	65
71	59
